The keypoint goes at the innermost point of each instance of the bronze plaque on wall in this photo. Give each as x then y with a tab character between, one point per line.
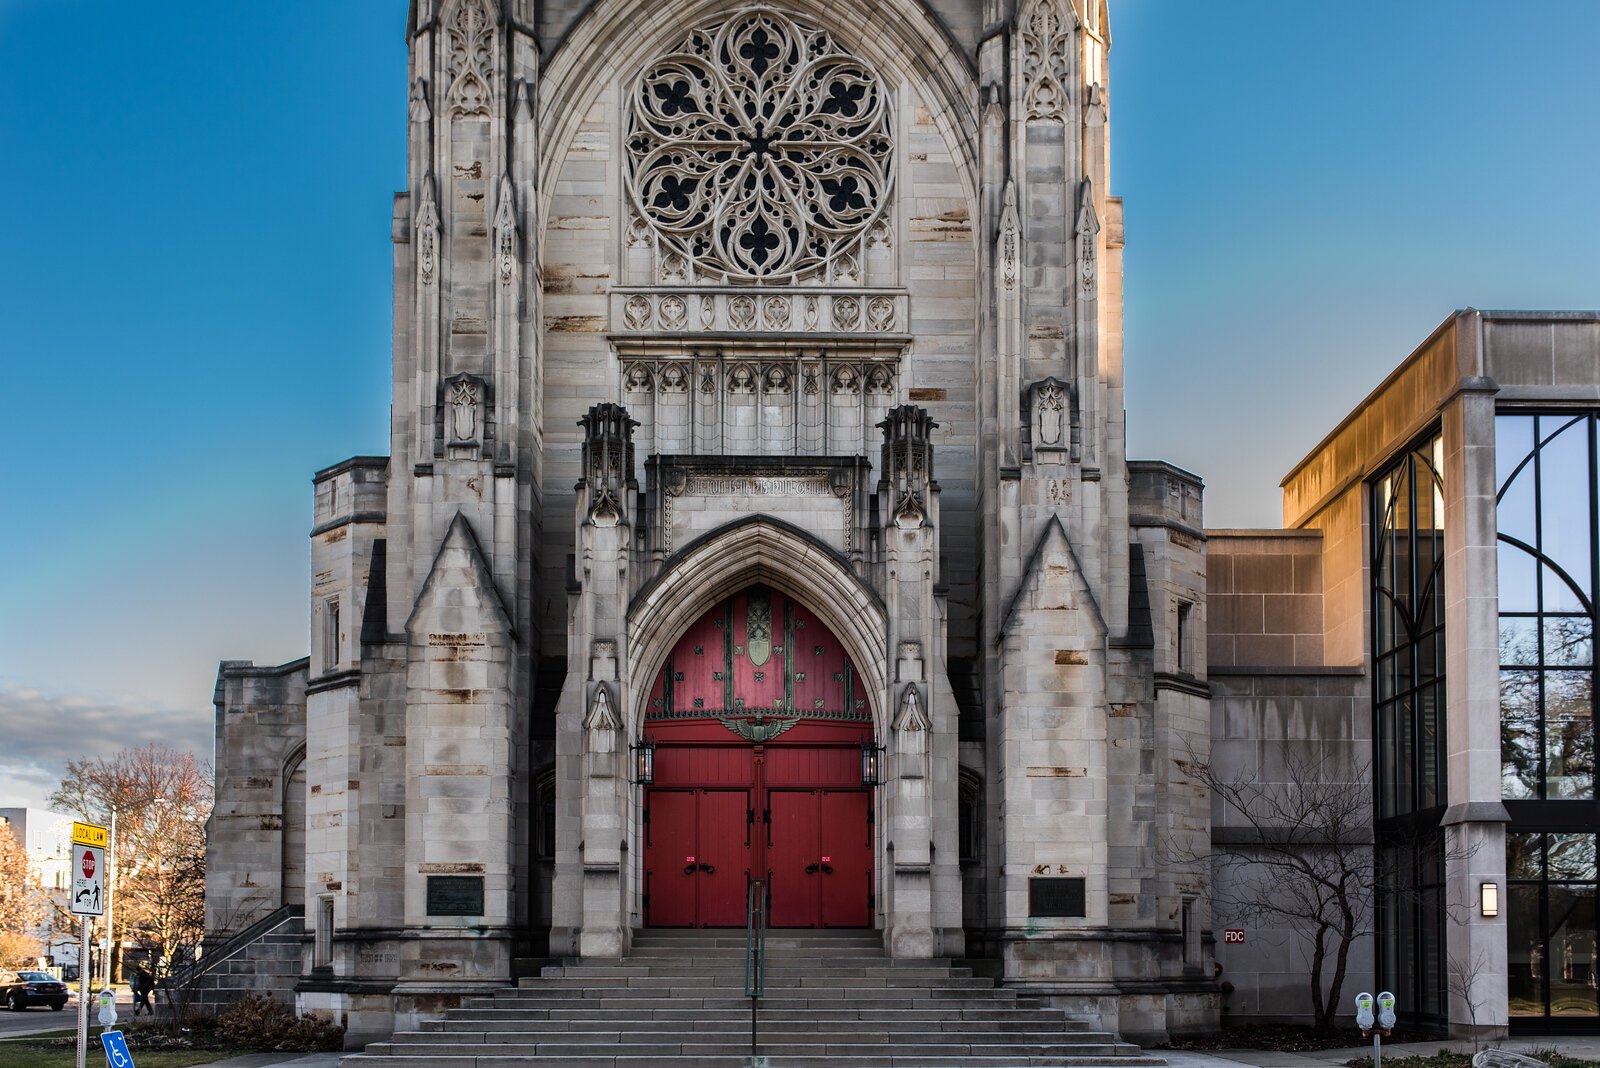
1056	897
455	895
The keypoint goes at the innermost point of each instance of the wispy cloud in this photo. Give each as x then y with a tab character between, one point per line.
40	732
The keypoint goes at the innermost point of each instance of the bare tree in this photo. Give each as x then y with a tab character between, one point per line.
1461	979
23	903
162	800
1300	853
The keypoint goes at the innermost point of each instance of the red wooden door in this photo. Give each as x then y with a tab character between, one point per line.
819	858
697	858
669	874
724	857
793	845
845	861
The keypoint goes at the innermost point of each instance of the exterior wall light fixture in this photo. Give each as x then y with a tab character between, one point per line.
644	762
871	764
1489	900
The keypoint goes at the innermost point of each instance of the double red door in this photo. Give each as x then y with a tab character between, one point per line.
812	846
698	857
819	858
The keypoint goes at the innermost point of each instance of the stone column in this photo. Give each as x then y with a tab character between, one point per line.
1474	822
922	880
594	795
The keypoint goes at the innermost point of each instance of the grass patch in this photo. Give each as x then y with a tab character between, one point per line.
57	1050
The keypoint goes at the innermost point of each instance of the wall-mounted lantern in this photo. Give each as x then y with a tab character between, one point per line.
871	764
644	762
1489	900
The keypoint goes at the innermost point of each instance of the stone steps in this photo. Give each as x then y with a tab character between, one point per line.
832	999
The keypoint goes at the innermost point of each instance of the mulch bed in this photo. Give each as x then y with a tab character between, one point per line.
1288	1038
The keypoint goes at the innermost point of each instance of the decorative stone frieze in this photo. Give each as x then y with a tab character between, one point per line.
723	310
760	402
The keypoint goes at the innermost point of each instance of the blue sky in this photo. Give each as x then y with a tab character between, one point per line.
195	286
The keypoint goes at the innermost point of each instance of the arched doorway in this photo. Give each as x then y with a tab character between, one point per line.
758	718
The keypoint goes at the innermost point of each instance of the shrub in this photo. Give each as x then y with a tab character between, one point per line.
258	1021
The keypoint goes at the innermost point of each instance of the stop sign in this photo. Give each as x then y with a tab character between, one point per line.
88	864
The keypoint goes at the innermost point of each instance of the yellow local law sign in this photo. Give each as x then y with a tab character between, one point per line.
88	834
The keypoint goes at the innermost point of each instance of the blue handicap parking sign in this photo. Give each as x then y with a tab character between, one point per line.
117	1055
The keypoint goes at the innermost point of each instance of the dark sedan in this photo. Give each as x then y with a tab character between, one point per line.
23	990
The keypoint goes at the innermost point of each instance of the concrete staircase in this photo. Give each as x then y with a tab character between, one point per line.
833	1000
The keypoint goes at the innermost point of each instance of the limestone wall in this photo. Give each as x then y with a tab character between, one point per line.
1265	598
1258	720
261	734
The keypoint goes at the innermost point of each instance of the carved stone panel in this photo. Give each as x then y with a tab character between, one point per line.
767	404
697	495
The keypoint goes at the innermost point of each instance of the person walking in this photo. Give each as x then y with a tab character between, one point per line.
142	983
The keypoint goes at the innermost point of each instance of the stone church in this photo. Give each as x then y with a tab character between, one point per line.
757	520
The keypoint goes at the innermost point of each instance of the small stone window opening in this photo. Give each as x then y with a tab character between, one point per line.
323	949
969	833
1185	637
545	829
1190	918
330	634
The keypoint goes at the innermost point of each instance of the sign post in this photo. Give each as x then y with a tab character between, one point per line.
89	848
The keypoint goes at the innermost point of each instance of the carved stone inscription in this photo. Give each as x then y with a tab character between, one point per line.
755	486
820	500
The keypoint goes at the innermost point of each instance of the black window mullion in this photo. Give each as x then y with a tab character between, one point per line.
1538	602
1594	602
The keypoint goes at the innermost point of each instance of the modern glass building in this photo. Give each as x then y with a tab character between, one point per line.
1433	627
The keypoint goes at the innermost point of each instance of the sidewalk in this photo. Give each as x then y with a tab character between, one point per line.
1583	1047
275	1060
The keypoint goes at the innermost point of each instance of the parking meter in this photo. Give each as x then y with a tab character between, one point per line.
1386	1011
1364	1018
108	1008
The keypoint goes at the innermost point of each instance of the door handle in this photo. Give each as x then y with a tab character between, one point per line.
811	869
689	869
707	868
827	869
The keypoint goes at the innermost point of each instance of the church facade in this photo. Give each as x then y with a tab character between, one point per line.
757	512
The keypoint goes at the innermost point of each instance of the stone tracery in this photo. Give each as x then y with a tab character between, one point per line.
759	150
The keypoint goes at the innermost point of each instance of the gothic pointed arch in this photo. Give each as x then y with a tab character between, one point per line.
758	550
611	44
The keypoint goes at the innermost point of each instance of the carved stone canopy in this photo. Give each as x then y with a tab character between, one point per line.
607	447
908	445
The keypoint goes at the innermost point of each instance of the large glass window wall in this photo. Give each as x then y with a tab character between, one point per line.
1408	652
1550	927
1547	505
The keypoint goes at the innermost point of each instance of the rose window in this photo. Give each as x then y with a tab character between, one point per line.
759	150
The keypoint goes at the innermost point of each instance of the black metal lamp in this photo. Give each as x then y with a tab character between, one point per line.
644	762
871	764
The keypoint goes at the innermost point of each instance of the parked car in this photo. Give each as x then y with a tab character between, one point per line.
23	990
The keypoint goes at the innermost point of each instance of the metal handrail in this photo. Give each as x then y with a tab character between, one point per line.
755	951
